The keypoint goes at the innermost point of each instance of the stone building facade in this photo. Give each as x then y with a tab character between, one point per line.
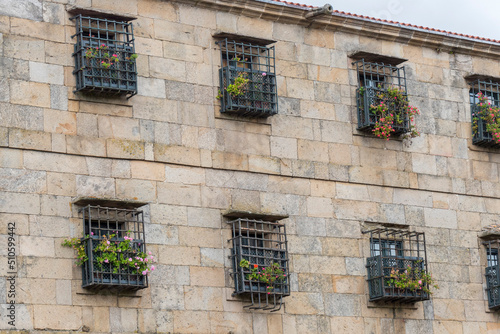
161	145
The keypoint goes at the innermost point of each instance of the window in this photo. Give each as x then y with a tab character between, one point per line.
104	56
382	84
492	274
115	225
247	79
263	245
394	253
484	96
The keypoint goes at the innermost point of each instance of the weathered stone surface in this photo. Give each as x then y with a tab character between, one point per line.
27	9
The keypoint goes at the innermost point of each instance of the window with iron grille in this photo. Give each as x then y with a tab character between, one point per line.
394	253
377	84
492	274
104	56
114	225
263	245
247	79
484	98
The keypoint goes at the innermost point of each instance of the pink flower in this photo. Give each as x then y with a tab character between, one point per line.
149	253
130	259
264	74
91	233
420	282
152	268
108	242
106	261
114	55
144	273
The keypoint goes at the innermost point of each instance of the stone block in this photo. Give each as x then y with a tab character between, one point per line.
58	97
57	317
305	303
30	93
122	319
300	88
202	237
151	87
319	207
265	165
202	217
191	322
289	185
125	149
155	109
36	29
27	139
118	127
218	198
36	246
282	147
94	186
440	218
86	145
179	255
174	32
10	158
46	73
171	193
225	160
212	257
168	214
58	121
27	9
177	154
59	54
147	170
289	204
450	309
141	190
26	48
169	69
157	10
203	298
313	150
206	276
342	305
336	132
21	180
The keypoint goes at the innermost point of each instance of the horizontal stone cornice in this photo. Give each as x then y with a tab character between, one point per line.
361	26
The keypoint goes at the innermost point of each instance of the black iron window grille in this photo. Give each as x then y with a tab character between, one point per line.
375	83
394	253
262	244
104	56
113	225
485	101
247	79
492	274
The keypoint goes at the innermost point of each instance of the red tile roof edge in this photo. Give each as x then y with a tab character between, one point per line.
408	25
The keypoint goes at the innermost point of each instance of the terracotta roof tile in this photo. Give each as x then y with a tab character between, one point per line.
295	4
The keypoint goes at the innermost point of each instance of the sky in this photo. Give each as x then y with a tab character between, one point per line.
478	18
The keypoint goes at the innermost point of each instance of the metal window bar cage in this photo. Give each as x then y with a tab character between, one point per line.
491	91
114	224
393	250
97	40
258	97
262	244
492	274
374	80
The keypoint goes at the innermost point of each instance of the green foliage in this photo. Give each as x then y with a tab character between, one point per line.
107	58
412	278
392	110
238	88
267	275
489	114
117	253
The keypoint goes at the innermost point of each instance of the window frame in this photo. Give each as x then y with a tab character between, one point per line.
99	222
387	76
492	274
490	87
117	37
258	97
261	242
394	249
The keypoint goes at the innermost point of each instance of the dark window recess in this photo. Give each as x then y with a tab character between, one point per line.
261	243
489	91
394	250
492	274
374	79
104	56
247	79
103	221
